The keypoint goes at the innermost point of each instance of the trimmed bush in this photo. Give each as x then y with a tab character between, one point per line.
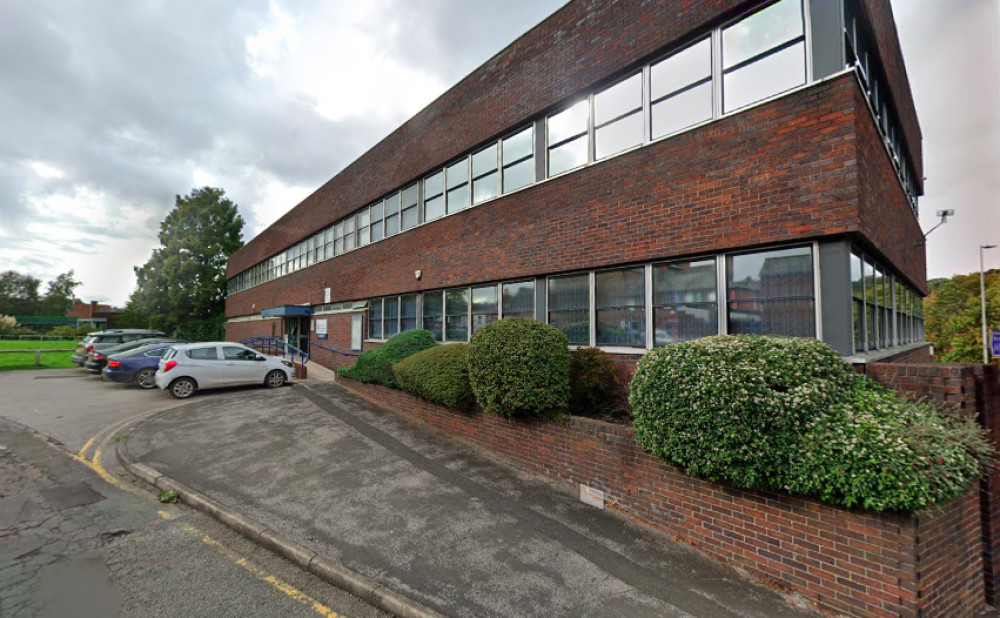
597	387
520	367
790	414
439	374
375	366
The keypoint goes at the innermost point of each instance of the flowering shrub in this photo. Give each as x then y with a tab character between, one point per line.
597	387
8	324
375	366
439	374
790	414
519	366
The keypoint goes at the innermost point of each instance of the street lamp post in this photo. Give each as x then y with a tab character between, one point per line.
982	299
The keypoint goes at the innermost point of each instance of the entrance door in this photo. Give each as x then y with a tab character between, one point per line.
297	332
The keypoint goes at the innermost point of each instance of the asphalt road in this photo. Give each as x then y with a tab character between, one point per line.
78	537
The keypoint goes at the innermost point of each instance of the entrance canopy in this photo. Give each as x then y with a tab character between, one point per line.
286	311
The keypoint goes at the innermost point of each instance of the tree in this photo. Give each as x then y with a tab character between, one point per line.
953	316
181	289
59	295
19	294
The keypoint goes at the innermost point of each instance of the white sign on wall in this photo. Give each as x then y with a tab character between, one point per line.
321	331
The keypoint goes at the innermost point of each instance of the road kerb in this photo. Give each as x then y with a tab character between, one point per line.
331	572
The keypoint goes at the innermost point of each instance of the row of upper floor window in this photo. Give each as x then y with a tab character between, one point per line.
886	312
764	292
859	53
753	58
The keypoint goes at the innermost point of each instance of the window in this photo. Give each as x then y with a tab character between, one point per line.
391	311
202	353
569	307
680	90
327	243
240	354
518	299
763	54
871	305
484	306
409	215
457	314
620	303
434	196
364	227
159	352
338	238
392	214
349	233
434	313
518	152
684	301
884	303
377	230
375	319
771	293
408	312
858	303
485	177
567	138
618	117
457	178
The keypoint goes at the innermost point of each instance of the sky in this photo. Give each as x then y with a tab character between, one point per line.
110	109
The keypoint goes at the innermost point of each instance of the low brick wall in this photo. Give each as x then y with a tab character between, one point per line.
851	561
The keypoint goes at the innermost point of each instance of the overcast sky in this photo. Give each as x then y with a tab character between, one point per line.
108	109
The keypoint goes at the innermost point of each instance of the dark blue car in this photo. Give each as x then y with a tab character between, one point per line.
138	366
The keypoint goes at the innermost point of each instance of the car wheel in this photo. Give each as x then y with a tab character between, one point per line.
146	378
182	388
275	379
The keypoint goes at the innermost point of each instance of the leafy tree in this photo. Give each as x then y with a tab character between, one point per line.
181	289
953	316
59	295
19	294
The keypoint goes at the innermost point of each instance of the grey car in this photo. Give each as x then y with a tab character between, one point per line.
104	339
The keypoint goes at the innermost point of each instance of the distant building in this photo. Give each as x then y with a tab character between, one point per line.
94	314
634	173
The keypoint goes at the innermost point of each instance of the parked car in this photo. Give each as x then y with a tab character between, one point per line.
186	368
137	366
100	340
97	359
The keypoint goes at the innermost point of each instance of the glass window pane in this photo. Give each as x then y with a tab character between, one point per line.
434	313
485	187
765	77
771	292
484	161
518	175
434	185
458	198
618	100
408	312
793	317
484	306
391	314
375	319
761	31
391	225
519	146
457	314
409	218
569	307
684	301
519	299
433	208
568	156
620	300
681	70
457	174
376	212
682	110
568	123
618	136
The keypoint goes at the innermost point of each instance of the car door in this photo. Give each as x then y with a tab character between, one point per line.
205	365
242	366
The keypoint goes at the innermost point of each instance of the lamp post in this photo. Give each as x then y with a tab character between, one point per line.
982	299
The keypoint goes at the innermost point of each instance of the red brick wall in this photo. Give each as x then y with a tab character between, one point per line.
338	338
851	561
784	171
947	383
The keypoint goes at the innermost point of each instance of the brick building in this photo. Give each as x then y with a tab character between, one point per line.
94	314
635	174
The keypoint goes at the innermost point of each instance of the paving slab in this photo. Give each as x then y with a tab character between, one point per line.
430	518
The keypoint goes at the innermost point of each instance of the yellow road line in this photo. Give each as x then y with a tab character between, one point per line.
83	451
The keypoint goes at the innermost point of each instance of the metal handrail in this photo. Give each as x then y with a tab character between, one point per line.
328	349
267	345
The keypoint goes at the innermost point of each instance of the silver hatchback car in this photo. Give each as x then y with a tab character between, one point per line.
187	368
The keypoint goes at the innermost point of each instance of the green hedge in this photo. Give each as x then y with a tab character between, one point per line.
520	367
790	414
439	375
597	387
375	366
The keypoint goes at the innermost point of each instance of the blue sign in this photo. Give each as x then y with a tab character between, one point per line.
996	344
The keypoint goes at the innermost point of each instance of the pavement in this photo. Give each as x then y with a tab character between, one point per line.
366	500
